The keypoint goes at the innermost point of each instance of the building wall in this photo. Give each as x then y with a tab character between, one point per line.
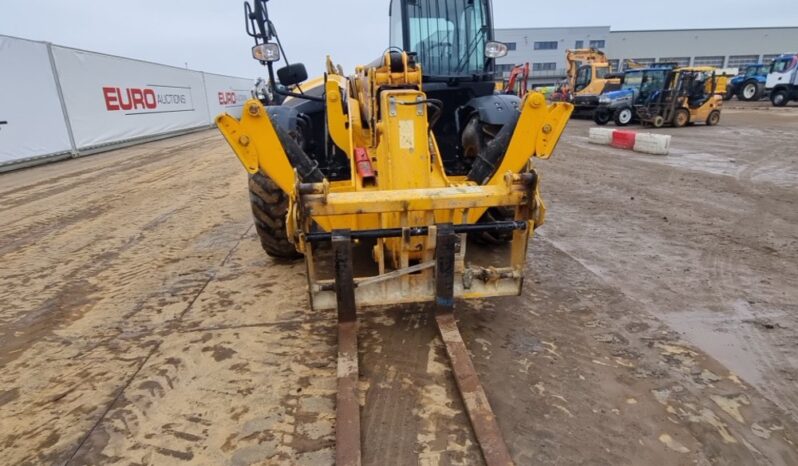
566	38
716	47
732	44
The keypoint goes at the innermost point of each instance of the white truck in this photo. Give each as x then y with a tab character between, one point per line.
782	81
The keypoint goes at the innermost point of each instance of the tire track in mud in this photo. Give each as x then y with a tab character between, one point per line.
121	274
155	348
725	245
133	159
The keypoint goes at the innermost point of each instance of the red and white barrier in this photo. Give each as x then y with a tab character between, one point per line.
647	143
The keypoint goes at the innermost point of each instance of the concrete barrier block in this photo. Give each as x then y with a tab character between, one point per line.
654	144
601	136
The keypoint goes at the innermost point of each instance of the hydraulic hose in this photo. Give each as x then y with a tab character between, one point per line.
306	168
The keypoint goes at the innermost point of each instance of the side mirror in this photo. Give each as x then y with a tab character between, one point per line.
292	75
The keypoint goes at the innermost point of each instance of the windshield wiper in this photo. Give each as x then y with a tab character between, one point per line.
471	48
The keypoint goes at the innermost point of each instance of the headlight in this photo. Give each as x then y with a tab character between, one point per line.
495	49
604	100
266	52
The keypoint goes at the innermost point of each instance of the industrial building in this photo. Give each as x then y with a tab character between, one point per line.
544	48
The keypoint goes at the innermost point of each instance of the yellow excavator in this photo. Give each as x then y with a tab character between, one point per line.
589	75
408	162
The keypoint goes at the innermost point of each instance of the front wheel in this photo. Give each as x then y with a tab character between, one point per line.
601	117
270	212
474	140
780	98
681	118
750	91
729	93
623	116
713	118
658	121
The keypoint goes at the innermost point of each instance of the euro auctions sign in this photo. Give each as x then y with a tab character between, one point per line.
148	99
235	98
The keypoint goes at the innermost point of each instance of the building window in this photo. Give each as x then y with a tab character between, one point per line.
614	65
511	46
597	44
737	61
644	61
546	45
544	66
717	62
505	68
767	59
680	61
580	44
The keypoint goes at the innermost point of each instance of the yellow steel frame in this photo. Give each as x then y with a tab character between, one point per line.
384	112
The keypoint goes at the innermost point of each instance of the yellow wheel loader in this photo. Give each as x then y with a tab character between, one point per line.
399	164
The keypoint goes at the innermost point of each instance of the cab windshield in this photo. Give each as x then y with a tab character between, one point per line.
448	36
754	71
632	80
783	64
647	82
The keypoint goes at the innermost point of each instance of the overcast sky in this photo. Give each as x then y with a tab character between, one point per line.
209	34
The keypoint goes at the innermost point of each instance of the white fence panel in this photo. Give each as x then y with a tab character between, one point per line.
31	119
227	94
112	99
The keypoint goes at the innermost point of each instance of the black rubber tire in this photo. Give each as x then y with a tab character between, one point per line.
270	209
753	90
713	118
729	92
658	122
601	117
780	98
623	116
681	118
474	140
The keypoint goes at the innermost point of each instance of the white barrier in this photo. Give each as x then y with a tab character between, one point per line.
226	94
31	118
646	143
653	144
56	100
601	136
111	99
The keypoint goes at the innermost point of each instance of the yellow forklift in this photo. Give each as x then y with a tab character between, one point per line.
690	95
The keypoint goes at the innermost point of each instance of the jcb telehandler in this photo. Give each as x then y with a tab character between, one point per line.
401	160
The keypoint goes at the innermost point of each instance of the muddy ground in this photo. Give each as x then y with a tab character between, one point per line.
140	323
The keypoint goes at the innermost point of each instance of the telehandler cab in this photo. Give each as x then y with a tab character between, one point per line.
401	160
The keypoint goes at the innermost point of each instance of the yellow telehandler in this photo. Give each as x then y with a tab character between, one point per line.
400	162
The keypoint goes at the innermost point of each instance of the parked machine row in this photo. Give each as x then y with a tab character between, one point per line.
664	95
598	93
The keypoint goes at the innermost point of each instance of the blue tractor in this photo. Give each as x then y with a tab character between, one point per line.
749	85
637	87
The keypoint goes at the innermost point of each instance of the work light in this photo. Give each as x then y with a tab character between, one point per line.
495	49
266	52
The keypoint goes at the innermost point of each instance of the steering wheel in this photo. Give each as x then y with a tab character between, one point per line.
449	45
